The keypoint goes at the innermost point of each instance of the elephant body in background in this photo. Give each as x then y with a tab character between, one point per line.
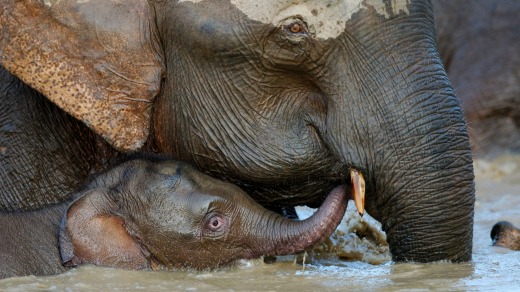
479	42
152	214
284	100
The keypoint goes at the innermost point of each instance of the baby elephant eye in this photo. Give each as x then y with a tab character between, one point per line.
215	222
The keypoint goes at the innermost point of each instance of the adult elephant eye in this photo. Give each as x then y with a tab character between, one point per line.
296	27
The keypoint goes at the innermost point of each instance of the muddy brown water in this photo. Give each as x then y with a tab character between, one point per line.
368	267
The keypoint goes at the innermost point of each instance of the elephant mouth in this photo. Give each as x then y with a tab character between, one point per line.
357	179
155	265
152	262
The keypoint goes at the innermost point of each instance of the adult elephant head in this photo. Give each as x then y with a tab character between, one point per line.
284	98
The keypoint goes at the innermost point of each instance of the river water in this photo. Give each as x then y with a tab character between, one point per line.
363	263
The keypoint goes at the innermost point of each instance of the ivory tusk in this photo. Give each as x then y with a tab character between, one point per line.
358	190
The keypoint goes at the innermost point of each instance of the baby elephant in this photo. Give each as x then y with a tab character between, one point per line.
144	215
162	214
506	235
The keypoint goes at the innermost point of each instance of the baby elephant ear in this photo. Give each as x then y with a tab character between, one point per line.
99	60
91	233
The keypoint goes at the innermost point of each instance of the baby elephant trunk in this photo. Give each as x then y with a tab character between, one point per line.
284	236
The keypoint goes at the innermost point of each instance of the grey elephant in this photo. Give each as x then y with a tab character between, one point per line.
156	214
288	100
505	234
479	42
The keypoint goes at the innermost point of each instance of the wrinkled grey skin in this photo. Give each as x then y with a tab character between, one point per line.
506	235
156	214
275	109
479	43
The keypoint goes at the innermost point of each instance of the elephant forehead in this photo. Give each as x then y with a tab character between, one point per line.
326	17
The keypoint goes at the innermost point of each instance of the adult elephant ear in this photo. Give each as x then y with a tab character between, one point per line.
99	60
91	232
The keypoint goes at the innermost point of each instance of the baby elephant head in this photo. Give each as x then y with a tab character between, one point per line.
149	215
505	234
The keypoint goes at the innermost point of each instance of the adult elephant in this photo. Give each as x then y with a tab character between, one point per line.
479	42
285	99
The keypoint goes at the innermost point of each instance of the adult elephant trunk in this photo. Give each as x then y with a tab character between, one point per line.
278	235
405	132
